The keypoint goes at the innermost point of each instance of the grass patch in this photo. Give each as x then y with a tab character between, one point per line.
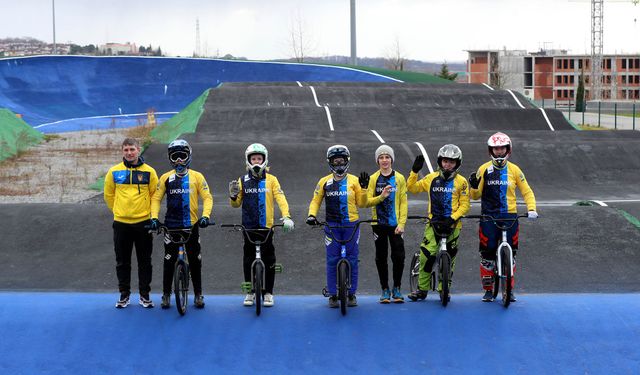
592	127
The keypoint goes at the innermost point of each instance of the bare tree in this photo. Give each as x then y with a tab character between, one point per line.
395	56
301	40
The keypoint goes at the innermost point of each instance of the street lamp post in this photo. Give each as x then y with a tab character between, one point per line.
53	6
354	56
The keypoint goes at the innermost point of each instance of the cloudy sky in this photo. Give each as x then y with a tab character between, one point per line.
429	30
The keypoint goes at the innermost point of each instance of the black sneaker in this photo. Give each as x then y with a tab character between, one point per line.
417	295
123	301
513	297
333	302
199	301
488	296
166	301
352	301
145	301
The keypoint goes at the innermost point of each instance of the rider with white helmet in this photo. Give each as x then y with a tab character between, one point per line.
256	193
495	185
448	202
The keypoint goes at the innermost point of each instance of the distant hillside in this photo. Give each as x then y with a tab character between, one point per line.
380	62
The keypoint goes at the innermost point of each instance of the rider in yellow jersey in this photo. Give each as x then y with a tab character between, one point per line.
495	185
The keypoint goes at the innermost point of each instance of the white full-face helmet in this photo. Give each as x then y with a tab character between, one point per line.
499	140
253	149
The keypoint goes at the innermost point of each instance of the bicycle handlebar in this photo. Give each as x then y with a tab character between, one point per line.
182	234
495	221
434	223
242	228
355	226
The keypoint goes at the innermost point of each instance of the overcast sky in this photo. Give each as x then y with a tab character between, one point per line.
429	30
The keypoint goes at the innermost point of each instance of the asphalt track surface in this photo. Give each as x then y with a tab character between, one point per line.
578	273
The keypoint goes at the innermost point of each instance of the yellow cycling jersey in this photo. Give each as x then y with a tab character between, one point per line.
128	191
392	210
447	198
256	198
342	199
498	189
182	198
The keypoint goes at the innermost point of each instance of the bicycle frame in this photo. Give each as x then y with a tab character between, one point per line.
442	251
343	256
504	224
258	260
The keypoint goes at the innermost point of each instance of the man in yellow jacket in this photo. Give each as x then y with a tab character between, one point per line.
128	187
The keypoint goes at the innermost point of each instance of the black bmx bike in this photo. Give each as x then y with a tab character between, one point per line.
258	267
343	268
441	271
179	236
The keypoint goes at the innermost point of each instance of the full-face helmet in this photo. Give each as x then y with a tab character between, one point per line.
338	158
499	140
259	149
179	153
452	152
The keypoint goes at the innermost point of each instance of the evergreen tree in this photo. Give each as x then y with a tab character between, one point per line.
580	94
444	73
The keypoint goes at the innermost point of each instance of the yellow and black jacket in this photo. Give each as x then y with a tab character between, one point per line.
342	199
390	211
447	198
128	189
182	198
498	189
256	198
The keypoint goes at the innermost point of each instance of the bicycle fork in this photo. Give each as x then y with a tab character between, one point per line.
504	244
258	260
343	258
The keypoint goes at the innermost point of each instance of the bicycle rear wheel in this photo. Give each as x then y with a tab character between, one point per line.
414	272
181	285
506	278
343	283
444	276
257	286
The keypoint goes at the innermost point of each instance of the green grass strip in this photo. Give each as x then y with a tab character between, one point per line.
184	122
630	218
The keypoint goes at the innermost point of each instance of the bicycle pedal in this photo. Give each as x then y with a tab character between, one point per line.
278	268
246	287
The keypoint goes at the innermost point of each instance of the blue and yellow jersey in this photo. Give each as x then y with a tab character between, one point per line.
498	189
447	198
392	210
182	198
128	191
256	197
342	199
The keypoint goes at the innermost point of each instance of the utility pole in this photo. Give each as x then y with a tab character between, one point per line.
596	49
53	6
198	52
354	55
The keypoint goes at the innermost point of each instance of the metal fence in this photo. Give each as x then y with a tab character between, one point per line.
614	115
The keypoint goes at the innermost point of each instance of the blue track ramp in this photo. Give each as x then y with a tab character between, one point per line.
53	90
68	333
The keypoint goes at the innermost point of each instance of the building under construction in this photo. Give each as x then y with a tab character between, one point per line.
554	74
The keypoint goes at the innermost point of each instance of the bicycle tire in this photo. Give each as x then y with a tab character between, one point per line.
343	282
414	272
181	286
445	276
506	279
496	279
258	276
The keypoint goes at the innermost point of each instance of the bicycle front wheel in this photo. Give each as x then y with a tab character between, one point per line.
258	276
343	283
505	280
181	285
414	272
445	277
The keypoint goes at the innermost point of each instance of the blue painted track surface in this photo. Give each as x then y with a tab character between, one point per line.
48	89
78	333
